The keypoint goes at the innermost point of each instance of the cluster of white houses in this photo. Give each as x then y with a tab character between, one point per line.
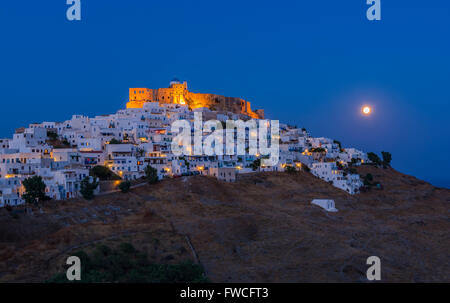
62	153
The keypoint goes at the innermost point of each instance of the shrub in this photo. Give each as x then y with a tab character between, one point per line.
34	190
290	169
338	143
115	141
374	158
127	248
151	174
255	164
128	265
352	170
368	179
103	173
66	143
125	186
87	188
318	150
52	135
387	158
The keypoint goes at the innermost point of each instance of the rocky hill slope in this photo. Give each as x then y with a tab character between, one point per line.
262	228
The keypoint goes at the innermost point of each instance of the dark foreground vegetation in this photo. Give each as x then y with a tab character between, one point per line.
125	264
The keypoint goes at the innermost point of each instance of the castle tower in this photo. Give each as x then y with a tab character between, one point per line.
178	91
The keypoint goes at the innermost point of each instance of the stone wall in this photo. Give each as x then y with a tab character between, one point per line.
179	94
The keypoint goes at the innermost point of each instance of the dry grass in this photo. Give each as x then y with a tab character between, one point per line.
260	229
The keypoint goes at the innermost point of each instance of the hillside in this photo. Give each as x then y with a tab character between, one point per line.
262	228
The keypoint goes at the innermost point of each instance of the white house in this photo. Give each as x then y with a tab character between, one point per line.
328	205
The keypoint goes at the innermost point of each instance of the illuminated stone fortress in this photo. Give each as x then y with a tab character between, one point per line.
178	93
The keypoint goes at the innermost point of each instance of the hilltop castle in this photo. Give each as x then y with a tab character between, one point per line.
178	93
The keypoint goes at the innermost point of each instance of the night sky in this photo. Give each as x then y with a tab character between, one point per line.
309	63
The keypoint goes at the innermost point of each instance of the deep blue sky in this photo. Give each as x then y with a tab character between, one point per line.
312	63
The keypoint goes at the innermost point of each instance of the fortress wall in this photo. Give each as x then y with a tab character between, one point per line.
221	103
141	94
179	94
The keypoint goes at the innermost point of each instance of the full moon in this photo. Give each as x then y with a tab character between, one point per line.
366	110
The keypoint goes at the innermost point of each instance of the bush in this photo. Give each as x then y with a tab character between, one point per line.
103	173
368	180
127	248
338	143
374	158
290	169
115	141
87	188
318	150
128	265
256	164
151	174
352	170
125	186
66	143
34	190
52	135
387	158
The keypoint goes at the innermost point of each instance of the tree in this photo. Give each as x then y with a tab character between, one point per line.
115	141
87	188
368	179
352	171
374	158
318	150
65	142
290	169
353	161
151	174
306	168
125	186
103	173
338	143
34	190
140	152
387	158
255	164
52	135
